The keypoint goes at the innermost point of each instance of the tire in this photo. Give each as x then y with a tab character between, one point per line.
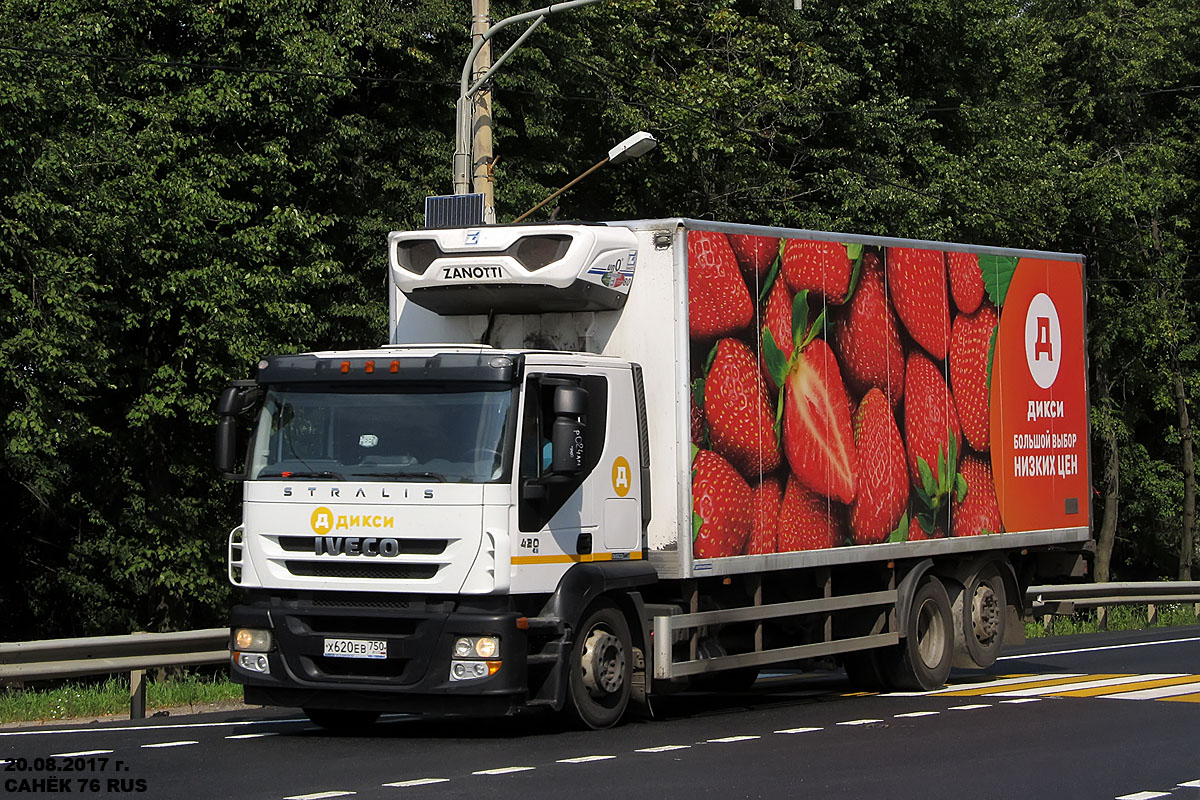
601	667
922	660
864	671
980	617
340	719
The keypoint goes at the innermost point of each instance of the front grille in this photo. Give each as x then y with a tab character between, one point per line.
384	668
318	569
422	547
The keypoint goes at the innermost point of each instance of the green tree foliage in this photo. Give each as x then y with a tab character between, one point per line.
185	187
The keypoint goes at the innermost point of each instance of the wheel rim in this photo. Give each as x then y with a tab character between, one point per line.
931	635
985	613
603	663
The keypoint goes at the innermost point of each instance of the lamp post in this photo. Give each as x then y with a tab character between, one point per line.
637	145
467	89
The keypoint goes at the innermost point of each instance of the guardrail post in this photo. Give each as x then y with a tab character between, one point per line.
137	694
1151	615
1101	618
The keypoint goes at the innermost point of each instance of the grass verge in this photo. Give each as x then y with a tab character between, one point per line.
111	696
1120	618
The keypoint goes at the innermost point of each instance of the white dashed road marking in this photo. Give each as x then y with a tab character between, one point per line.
860	722
918	714
320	795
583	759
799	730
1023	700
1143	795
81	754
417	782
728	739
502	770
1190	785
663	748
970	707
159	728
251	735
169	744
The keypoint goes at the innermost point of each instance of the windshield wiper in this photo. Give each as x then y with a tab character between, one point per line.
402	476
323	474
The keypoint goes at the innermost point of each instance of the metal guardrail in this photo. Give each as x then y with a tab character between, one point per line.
133	653
1064	599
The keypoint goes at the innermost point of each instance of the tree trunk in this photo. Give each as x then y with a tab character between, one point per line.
1111	485
1186	547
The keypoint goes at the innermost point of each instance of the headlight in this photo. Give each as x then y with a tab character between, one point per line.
251	640
463	647
487	646
476	646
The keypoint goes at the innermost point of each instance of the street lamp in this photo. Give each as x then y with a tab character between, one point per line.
637	145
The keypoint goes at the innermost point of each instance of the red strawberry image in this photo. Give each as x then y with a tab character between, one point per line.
721	509
755	254
718	301
978	512
917	533
882	494
808	521
741	424
866	337
966	281
931	426
815	410
970	340
778	320
765	500
917	281
823	267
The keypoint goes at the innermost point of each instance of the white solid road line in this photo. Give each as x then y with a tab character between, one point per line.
416	782
502	770
1097	649
664	748
583	759
180	726
184	743
1071	687
81	754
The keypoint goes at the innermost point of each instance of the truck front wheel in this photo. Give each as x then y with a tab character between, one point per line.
601	668
921	662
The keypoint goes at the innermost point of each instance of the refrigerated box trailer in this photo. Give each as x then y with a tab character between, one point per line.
596	461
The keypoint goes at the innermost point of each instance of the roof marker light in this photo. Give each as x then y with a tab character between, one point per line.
345	367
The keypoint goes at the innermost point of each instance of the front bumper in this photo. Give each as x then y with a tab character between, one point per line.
414	677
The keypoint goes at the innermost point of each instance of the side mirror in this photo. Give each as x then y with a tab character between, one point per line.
237	398
568	436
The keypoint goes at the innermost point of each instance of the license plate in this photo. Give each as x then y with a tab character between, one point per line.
355	648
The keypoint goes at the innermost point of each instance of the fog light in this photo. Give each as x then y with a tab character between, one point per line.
487	646
252	639
472	670
254	662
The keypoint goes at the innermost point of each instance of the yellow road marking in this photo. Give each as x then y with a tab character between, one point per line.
1095	691
1184	698
1035	684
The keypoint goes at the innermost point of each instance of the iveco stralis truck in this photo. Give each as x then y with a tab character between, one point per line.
598	461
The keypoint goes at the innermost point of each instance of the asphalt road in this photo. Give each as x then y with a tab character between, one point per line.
1098	716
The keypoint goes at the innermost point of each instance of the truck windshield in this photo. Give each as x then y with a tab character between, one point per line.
397	433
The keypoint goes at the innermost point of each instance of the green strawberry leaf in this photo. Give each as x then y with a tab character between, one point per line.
901	532
924	497
777	362
818	326
799	316
698	392
960	483
779	415
697	522
855	252
943	473
712	356
926	520
695	450
991	357
769	283
997	275
928	484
